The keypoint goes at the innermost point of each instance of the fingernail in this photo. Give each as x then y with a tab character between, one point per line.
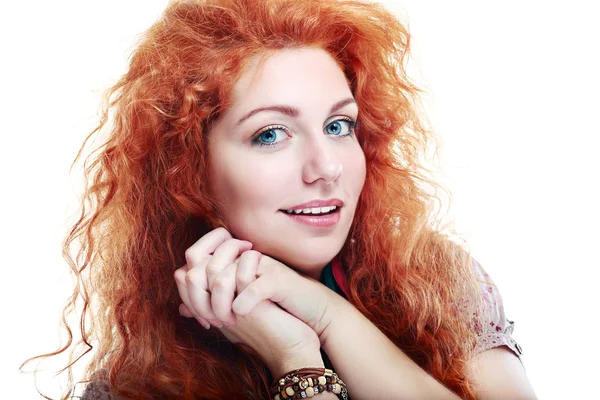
207	326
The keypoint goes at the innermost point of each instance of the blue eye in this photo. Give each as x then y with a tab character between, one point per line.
337	127
269	135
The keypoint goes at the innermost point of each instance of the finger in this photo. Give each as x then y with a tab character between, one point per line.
257	291
185	312
247	269
179	276
223	256
185	308
198	294
223	292
206	245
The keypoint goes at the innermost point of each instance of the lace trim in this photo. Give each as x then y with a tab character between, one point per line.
497	339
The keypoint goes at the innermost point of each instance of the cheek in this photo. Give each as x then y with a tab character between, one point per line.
356	170
245	184
251	194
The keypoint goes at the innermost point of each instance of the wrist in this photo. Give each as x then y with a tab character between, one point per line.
297	361
334	305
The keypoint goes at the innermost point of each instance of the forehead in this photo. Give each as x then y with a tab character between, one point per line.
288	76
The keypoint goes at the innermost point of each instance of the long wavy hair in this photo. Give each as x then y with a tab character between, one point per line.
144	202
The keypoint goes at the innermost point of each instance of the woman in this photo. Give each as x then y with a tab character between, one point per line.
262	179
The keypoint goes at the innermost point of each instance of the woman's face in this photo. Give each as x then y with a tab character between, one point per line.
286	141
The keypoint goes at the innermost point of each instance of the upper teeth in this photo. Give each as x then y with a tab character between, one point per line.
316	210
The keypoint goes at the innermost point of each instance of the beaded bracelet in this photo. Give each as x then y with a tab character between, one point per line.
308	382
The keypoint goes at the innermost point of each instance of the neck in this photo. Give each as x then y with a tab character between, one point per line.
316	274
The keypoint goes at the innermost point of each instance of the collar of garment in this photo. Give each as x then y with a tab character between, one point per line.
333	277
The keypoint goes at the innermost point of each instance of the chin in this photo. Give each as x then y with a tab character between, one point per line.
305	260
303	255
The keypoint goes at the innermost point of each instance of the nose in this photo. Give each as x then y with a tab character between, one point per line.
322	162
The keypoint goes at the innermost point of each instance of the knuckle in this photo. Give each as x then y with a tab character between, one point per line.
179	275
191	277
253	290
219	284
222	231
243	280
231	270
212	269
190	255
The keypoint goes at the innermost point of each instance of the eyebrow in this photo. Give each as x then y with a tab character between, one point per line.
291	111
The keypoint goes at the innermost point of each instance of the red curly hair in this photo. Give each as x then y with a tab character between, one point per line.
144	204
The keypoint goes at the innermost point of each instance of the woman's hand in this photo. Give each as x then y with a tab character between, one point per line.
255	277
218	266
208	280
300	295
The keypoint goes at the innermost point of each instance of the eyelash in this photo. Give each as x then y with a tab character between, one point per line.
255	141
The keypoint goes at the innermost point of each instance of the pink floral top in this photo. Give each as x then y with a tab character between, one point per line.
499	330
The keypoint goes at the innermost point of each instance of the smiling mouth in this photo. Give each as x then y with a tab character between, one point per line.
315	211
319	218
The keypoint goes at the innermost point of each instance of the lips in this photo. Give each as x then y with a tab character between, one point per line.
327	220
317	204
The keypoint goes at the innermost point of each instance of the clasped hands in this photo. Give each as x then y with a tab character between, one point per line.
251	298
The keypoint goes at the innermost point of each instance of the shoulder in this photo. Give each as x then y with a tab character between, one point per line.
493	328
98	390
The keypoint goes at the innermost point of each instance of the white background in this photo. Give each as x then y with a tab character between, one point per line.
512	87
